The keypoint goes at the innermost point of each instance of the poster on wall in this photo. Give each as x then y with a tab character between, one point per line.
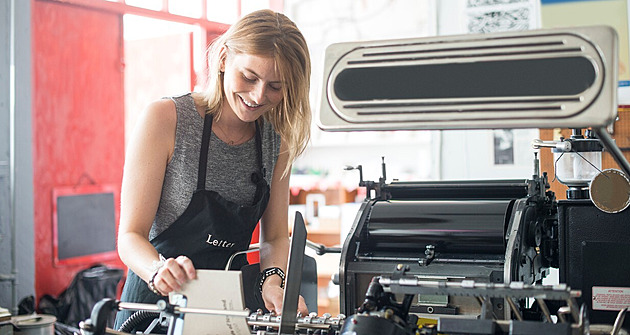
614	13
490	16
503	146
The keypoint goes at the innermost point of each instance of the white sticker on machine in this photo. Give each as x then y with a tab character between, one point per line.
610	298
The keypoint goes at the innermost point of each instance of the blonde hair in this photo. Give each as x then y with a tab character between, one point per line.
269	34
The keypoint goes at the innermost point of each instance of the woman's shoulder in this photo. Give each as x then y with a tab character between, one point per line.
269	130
160	113
174	110
185	103
271	139
161	106
157	119
167	112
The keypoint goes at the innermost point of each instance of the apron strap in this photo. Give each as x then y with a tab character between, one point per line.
259	149
203	155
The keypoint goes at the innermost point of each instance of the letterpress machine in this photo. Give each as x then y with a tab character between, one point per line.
463	254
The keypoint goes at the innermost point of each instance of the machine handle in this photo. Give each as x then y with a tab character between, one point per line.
321	249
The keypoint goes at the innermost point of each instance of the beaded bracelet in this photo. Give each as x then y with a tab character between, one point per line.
155	268
268	272
156	265
152	284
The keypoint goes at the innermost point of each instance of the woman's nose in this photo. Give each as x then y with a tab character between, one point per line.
258	93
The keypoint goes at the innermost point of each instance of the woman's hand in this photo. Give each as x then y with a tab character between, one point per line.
273	294
174	273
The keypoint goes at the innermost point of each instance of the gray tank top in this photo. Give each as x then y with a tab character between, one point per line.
229	167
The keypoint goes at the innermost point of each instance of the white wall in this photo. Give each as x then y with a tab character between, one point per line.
408	155
469	154
421	155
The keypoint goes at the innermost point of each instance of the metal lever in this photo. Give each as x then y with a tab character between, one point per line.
321	249
563	145
360	168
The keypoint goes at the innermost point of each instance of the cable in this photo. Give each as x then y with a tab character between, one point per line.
136	319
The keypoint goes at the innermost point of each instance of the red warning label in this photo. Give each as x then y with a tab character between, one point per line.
610	298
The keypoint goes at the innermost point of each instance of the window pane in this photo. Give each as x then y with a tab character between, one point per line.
190	8
222	10
148	4
140	27
157	62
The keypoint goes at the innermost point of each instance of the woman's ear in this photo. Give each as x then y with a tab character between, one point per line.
222	57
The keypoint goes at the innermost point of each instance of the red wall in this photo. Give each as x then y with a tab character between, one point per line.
78	117
78	114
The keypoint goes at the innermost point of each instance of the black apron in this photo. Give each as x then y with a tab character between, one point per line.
209	231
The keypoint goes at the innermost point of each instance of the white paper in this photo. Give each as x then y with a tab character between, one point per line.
213	289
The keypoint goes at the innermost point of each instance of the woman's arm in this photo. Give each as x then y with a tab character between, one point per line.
274	242
148	152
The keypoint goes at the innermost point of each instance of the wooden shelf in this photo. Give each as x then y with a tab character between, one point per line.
329	238
326	232
334	196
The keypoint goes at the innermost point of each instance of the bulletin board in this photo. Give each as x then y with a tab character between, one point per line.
84	224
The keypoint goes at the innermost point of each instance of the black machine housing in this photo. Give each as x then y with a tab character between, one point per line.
451	231
486	231
594	256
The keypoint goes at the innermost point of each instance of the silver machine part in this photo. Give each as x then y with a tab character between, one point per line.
594	50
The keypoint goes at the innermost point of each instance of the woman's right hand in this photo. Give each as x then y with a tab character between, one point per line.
173	274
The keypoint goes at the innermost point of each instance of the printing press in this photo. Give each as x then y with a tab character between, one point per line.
469	257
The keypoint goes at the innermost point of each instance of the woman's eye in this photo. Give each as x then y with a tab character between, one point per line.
275	87
251	80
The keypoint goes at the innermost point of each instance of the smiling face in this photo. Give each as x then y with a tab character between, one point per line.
252	85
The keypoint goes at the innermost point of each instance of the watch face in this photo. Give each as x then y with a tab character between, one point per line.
610	191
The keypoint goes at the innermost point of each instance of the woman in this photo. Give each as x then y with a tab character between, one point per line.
201	169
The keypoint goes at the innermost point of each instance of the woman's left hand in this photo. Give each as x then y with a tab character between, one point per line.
273	294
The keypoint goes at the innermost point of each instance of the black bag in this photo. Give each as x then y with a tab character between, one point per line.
88	287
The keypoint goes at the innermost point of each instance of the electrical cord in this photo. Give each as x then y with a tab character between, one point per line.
136	319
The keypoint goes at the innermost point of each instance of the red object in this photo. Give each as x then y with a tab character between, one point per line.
78	118
254	257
